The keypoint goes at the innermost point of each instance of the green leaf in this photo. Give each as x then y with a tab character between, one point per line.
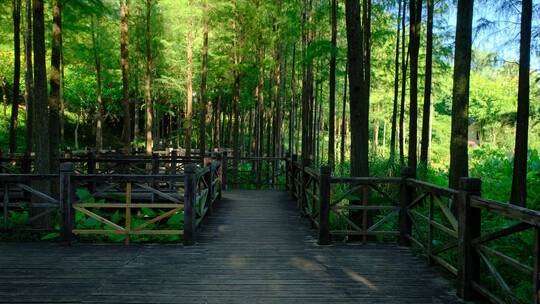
176	219
50	236
148	212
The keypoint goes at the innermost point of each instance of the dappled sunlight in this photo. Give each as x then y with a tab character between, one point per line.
237	261
305	264
360	279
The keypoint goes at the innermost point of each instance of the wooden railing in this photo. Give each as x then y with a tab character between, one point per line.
116	204
107	163
492	248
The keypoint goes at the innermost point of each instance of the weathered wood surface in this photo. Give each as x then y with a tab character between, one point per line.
253	249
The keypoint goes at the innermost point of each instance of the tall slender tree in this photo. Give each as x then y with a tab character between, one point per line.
519	178
404	65
148	81
16	75
426	115
28	78
396	88
204	74
359	105
189	88
40	109
97	66
459	166
415	8
54	97
332	98
124	62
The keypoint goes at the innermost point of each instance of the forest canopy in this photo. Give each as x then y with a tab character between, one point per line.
366	86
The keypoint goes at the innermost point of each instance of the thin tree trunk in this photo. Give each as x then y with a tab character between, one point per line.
124	61
404	65
460	101
332	98
204	95
426	116
396	88
28	78
40	109
189	90
147	81
99	109
54	97
359	106
344	118
519	179
62	94
16	75
415	28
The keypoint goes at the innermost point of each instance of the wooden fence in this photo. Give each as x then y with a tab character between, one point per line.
444	225
190	191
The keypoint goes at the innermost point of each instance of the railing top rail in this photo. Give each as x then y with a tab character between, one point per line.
432	187
518	213
312	172
4	177
127	178
364	180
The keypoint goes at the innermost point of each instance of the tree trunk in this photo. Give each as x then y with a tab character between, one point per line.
217	126
426	116
460	100
99	108
307	90
189	89
28	79
404	65
393	132
414	31
204	95
359	106
54	98
519	179
124	62
147	81
332	98
344	118
16	75
40	110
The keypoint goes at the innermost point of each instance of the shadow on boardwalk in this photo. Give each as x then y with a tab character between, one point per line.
254	249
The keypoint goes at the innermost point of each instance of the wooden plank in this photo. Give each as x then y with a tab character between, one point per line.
128	212
39	194
157	219
159	193
123	205
447	212
99	218
510	211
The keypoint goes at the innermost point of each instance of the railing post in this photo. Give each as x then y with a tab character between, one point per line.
174	162
536	267
406	197
304	178
67	192
287	172
2	162
155	163
208	177
27	163
292	180
224	165
469	224
324	212
91	168
190	193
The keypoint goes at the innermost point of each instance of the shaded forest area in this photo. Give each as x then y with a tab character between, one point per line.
367	86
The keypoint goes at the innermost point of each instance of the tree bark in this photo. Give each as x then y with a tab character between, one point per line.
426	116
359	105
519	179
40	109
28	78
332	97
54	97
204	94
124	62
148	81
99	108
414	29
460	101
189	89
344	118
393	132
404	65
16	75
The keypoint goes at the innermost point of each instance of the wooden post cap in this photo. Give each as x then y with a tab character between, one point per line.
408	172
67	167
470	184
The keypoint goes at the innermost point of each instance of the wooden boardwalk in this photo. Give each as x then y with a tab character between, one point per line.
255	248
